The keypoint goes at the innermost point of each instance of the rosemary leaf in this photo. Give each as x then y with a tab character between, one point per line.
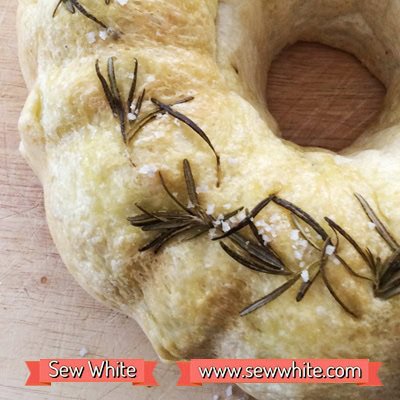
388	293
106	90
167	225
116	97
201	230
257	251
159	216
83	11
252	264
191	124
389	269
351	270
163	238
323	261
141	124
305	286
133	86
270	297
232	213
191	186
138	107
302	215
356	246
66	5
379	226
188	210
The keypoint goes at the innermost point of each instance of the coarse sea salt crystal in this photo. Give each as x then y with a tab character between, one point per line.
83	352
215	397
91	37
233	161
298	255
123	2
210	209
302	264
303	243
151	78
241	215
336	261
202	189
225	227
330	250
212	233
148	170
233	220
266	239
371	226
229	391
294	234
159	135
103	35
305	276
275	218
190	204
227	206
321	310
131	117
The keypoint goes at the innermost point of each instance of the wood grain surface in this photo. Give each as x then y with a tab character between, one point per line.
43	311
321	96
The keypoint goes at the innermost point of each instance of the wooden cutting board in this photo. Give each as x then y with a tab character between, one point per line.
43	311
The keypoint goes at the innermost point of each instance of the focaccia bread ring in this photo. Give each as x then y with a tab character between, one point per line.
314	227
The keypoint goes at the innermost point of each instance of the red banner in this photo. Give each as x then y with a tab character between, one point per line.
47	371
358	371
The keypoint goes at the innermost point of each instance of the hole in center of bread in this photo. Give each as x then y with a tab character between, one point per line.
322	96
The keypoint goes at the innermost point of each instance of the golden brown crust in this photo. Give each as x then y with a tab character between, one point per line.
187	298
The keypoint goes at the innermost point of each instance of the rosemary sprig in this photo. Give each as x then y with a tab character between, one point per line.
252	253
126	112
386	273
299	214
129	113
71	5
112	93
195	221
175	223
